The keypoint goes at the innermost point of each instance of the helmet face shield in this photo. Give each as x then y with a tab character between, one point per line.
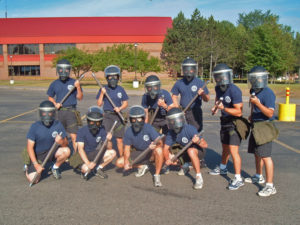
112	74
47	115
63	70
94	119
176	122
258	80
223	77
152	89
189	71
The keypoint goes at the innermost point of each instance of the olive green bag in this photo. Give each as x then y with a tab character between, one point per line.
264	132
75	160
242	127
25	156
78	118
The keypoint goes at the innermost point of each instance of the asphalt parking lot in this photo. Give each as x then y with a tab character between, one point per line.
131	200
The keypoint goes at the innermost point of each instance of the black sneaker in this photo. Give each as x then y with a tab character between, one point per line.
100	173
56	173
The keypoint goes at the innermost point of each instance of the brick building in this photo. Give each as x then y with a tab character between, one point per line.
28	45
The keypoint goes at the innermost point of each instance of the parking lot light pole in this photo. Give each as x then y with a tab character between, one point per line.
11	71
135	81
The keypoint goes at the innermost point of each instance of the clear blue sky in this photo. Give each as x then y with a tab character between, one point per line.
288	10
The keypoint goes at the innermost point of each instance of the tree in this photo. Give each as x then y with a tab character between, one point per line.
80	60
271	47
256	18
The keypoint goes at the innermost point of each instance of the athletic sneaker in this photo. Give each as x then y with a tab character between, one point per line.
141	171
199	183
235	184
156	181
100	173
184	170
218	171
254	179
165	170
56	173
267	191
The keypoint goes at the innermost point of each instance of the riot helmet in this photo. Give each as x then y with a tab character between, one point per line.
258	78
63	69
175	120
223	76
137	118
47	113
94	119
112	74
152	86
189	69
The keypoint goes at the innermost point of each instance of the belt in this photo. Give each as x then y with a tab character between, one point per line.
110	112
68	108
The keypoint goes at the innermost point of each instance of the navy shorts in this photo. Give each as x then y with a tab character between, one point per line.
134	153
108	121
262	151
68	120
194	117
40	157
160	124
228	133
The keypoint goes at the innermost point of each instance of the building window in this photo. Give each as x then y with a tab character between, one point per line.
24	70
1	50
23	49
57	48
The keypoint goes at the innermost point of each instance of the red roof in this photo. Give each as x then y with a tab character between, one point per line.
83	29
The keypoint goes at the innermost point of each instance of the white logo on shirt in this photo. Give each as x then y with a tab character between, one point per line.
227	99
146	137
194	88
119	95
98	139
54	134
184	140
70	86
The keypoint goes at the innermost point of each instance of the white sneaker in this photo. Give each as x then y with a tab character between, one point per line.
157	182
267	191
254	179
141	171
199	183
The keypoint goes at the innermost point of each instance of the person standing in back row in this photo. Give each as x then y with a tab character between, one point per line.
57	91
187	88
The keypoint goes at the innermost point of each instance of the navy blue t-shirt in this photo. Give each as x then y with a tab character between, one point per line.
59	89
117	95
231	96
43	136
147	102
90	141
141	140
187	91
183	138
267	98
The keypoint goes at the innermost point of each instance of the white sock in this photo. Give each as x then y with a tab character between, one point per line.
156	175
99	167
270	185
223	166
238	176
55	166
199	175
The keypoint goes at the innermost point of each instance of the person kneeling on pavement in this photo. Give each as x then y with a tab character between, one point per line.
88	138
139	136
40	137
182	133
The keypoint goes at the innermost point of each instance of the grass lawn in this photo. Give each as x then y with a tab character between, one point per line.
279	89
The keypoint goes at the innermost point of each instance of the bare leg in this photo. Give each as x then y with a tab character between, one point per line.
237	162
73	137
225	154
259	163
193	154
61	155
108	157
159	160
120	146
269	168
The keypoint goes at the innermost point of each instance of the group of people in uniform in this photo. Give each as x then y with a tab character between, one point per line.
161	126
